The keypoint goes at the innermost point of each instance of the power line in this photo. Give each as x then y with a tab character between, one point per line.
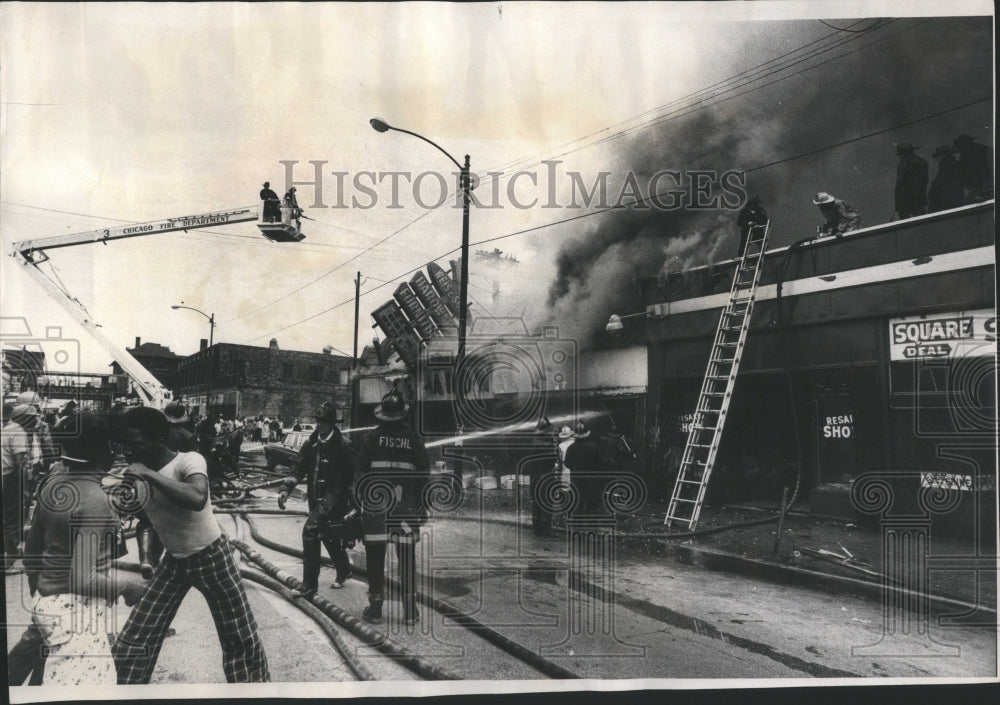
837	42
637	202
332	270
844	29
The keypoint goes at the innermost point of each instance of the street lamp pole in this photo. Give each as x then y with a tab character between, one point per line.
211	321
465	184
357	297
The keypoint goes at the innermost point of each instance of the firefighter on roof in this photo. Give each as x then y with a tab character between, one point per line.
911	182
840	217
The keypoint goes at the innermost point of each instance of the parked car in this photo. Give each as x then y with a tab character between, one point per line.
285	453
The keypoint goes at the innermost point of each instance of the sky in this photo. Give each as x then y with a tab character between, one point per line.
133	112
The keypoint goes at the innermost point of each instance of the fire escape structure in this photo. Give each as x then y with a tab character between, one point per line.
705	432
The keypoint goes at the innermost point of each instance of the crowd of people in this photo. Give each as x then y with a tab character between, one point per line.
372	491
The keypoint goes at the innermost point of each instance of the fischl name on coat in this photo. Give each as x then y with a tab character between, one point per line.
394	442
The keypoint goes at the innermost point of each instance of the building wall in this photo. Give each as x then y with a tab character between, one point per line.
816	380
270	381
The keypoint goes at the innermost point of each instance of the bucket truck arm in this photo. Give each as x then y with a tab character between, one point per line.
32	253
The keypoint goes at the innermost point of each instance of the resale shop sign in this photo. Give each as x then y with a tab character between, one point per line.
943	335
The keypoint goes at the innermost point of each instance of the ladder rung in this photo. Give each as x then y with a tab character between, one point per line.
689	501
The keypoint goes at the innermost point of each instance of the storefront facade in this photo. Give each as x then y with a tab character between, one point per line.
870	353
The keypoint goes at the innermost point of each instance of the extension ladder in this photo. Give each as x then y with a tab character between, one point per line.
705	431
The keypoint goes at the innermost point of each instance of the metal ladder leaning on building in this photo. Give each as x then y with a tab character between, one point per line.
705	432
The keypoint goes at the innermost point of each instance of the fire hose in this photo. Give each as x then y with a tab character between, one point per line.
366	634
489	634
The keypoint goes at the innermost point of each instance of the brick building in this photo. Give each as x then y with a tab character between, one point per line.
160	360
247	380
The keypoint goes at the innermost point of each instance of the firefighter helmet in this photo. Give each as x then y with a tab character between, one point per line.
327	413
393	406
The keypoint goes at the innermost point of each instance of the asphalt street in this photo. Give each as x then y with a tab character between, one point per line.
600	614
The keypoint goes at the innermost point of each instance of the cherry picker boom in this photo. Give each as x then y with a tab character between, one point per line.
32	253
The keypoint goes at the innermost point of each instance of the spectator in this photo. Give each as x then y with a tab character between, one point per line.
17	457
71	547
840	217
946	188
911	182
197	555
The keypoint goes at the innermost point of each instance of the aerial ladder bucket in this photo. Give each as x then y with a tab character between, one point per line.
288	229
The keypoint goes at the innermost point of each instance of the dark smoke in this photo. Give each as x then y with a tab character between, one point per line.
839	102
596	272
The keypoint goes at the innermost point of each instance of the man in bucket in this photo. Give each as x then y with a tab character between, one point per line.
326	462
393	469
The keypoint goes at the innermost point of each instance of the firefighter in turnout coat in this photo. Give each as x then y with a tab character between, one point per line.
326	462
393	470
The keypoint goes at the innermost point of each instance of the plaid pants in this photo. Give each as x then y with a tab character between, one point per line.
213	572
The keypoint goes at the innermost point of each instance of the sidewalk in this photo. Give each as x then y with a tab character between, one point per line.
824	554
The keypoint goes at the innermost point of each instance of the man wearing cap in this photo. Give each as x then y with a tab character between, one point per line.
272	204
180	438
198	555
911	182
16	456
946	187
393	469
975	164
841	217
326	463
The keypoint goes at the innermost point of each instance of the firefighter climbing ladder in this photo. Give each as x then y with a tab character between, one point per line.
705	431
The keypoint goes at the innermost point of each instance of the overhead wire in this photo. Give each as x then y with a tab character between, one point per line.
651	197
839	41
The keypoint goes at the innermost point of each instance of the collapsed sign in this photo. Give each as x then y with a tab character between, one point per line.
942	336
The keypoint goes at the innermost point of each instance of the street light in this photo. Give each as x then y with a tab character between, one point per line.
615	325
380	125
211	321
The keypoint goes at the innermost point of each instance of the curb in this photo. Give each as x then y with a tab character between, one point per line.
825	582
722	561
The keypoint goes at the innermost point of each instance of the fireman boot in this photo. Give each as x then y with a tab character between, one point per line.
373	612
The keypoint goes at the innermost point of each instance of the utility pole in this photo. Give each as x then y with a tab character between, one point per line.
357	298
